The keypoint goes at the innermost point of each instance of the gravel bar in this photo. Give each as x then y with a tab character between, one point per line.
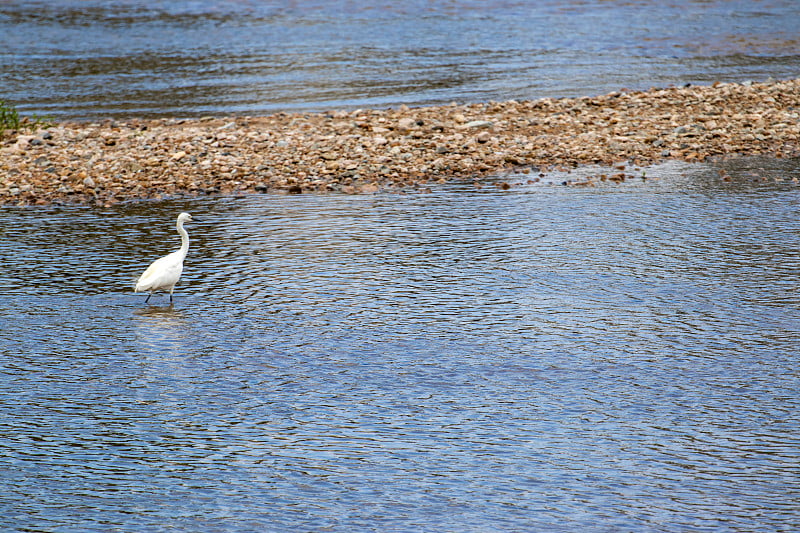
403	149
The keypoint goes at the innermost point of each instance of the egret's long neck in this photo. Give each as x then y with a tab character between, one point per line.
184	239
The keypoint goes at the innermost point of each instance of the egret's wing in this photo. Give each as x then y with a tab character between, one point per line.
162	273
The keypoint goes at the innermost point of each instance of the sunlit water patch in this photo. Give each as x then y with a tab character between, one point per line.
542	358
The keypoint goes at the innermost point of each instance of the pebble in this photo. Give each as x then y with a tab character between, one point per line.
365	151
406	123
476	124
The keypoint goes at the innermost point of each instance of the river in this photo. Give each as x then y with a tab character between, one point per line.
89	60
621	357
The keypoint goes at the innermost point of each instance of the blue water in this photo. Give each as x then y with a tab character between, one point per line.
616	358
547	358
92	59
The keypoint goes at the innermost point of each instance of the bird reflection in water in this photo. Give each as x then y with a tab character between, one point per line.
161	330
166	312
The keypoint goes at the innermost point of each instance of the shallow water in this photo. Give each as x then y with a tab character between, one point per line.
545	358
92	59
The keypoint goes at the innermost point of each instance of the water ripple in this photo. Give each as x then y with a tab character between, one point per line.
539	359
91	59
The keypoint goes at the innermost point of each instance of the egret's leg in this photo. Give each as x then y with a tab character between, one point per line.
148	297
170	294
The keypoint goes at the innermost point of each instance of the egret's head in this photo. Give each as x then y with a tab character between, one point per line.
184	217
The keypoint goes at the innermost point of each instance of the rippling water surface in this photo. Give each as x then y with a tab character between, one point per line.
539	359
88	59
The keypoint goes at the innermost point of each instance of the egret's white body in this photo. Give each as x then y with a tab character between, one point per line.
164	273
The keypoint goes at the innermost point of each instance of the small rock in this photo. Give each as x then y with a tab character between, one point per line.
177	156
406	123
483	137
23	140
477	124
89	182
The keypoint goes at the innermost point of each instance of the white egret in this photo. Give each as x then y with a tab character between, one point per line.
165	272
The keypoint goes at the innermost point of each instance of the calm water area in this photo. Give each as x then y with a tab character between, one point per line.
622	357
91	59
544	358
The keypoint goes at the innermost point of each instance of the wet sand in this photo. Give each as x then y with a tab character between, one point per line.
405	149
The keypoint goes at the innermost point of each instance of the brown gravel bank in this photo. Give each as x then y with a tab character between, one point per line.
369	150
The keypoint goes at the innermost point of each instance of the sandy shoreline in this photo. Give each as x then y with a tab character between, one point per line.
366	151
